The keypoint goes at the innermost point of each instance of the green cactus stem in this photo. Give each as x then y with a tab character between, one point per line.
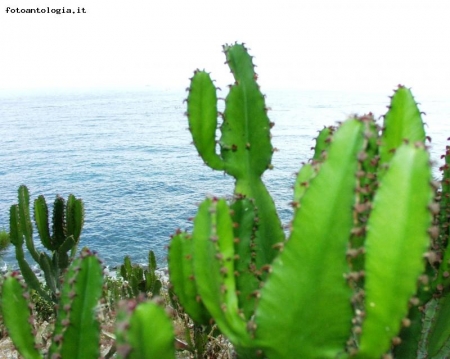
182	277
214	268
77	330
245	148
17	239
16	317
396	242
402	122
310	271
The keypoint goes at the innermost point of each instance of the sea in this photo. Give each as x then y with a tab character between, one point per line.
128	154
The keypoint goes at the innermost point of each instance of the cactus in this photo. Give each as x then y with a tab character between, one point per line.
144	331
345	281
399	241
245	148
76	333
67	225
141	280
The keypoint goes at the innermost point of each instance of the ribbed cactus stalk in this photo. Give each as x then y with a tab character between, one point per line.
397	238
17	316
245	148
67	224
402	122
77	331
321	229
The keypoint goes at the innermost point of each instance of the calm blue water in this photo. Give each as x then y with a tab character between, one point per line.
127	154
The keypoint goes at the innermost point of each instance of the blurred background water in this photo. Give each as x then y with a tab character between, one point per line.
127	154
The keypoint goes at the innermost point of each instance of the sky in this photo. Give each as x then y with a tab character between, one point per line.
359	45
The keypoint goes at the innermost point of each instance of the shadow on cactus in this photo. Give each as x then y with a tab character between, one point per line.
67	223
345	283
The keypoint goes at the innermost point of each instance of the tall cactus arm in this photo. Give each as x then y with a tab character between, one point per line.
245	140
323	140
202	115
243	215
402	122
74	217
41	219
25	221
182	278
17	238
245	148
16	317
396	242
59	221
214	268
77	326
309	273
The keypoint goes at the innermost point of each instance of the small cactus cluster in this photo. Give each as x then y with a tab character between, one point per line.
140	280
68	218
364	268
77	330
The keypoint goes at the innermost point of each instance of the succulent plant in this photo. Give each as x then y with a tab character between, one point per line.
68	218
345	283
139	279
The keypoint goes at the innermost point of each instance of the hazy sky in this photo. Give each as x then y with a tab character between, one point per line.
324	44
